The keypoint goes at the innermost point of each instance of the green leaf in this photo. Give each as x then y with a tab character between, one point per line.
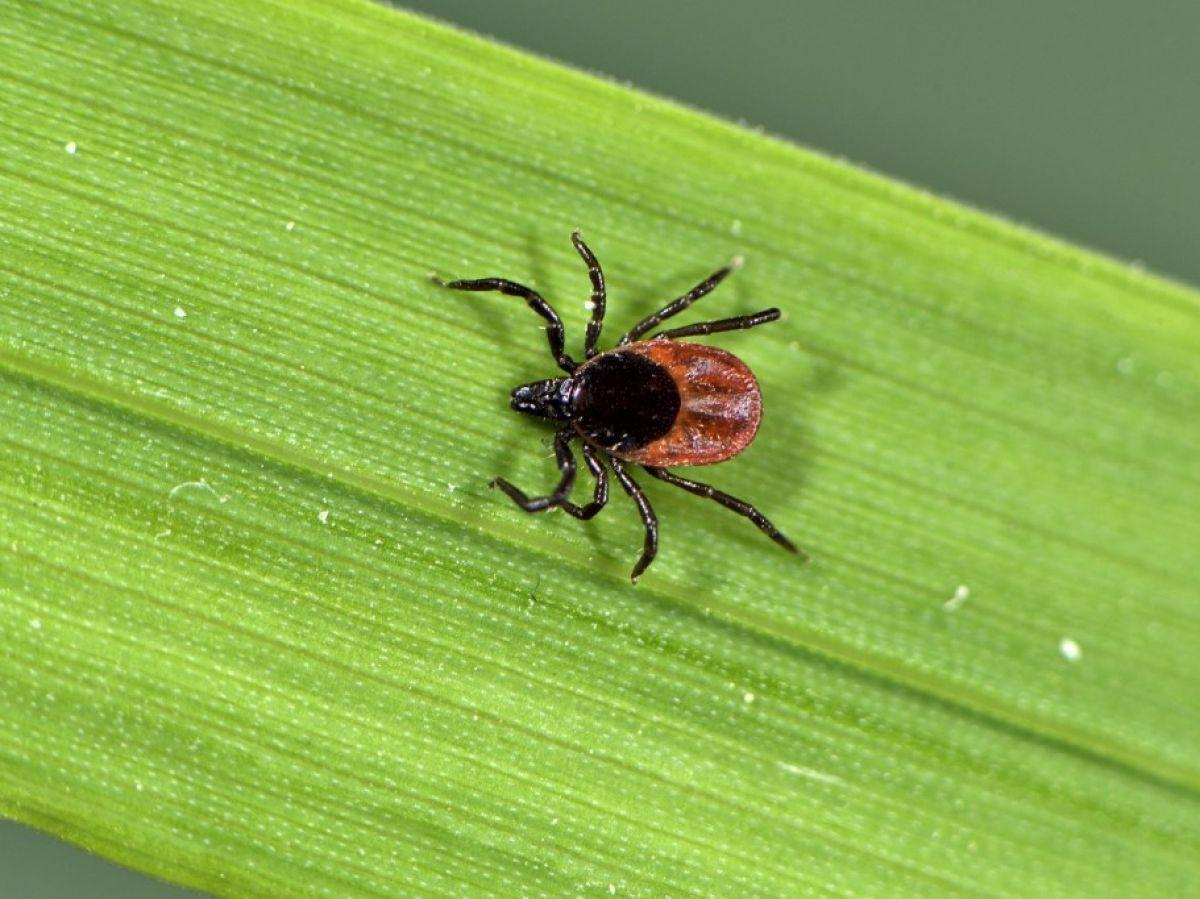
266	630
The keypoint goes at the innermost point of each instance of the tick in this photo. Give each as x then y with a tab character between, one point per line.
654	401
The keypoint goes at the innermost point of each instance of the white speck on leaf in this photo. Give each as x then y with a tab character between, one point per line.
735	227
1070	649
71	147
35	623
961	593
811	774
323	515
748	697
197	485
180	312
289	226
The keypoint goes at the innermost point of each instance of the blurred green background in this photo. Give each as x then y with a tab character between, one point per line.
1078	118
1081	119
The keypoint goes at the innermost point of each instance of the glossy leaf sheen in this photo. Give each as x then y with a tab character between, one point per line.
266	629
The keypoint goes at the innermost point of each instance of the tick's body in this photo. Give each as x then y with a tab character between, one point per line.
654	403
661	403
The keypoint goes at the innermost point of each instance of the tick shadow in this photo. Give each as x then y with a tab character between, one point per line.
786	446
788	453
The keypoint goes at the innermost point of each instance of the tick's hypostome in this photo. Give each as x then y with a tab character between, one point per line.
653	402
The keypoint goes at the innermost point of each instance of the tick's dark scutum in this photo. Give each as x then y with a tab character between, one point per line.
624	401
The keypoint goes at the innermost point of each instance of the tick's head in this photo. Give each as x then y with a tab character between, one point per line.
545	399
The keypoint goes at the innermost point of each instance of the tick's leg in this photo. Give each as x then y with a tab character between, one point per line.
728	502
600	497
554	330
740	323
651	322
566	464
598	295
650	545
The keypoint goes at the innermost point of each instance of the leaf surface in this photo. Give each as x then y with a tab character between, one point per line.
268	631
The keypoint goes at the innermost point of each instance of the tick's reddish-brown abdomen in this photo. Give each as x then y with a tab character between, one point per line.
720	405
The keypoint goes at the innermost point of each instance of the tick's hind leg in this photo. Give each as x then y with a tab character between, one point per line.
600	497
650	544
554	328
650	322
566	464
728	502
738	323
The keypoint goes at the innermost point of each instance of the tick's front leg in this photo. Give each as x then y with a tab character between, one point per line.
566	465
